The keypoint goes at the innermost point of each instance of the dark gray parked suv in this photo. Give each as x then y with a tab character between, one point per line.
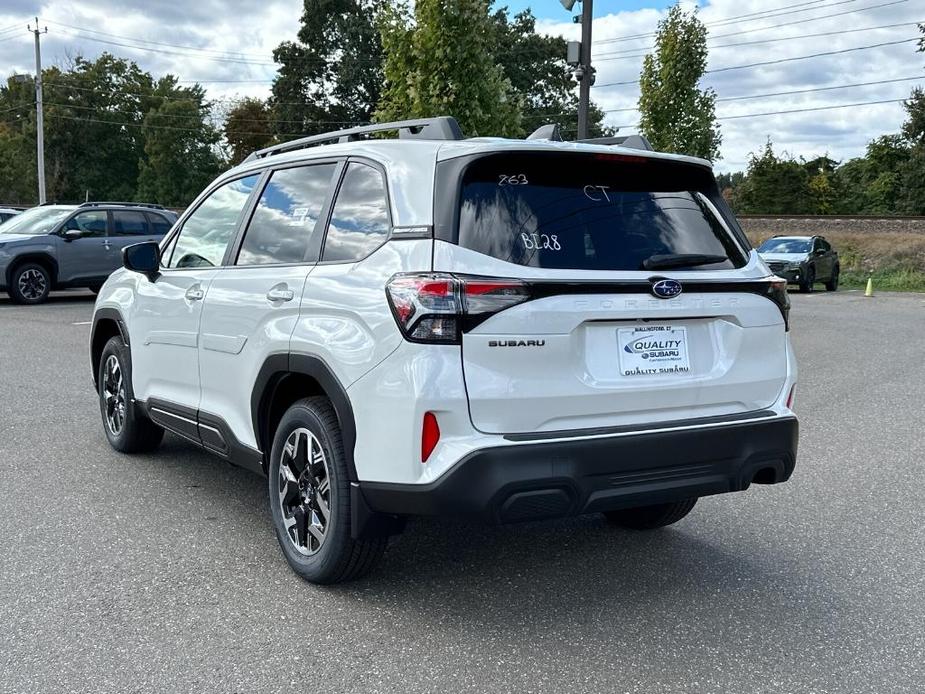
802	260
58	246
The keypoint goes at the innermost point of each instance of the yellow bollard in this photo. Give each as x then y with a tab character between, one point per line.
870	287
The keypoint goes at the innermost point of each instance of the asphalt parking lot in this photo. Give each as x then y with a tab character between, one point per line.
161	573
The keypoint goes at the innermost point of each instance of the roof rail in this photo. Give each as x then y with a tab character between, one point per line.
631	141
439	128
100	203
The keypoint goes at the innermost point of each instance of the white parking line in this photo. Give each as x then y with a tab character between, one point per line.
82	322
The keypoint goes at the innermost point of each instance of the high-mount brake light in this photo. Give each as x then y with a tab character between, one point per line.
626	158
437	307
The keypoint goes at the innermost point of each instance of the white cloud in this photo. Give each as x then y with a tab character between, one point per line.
252	30
842	133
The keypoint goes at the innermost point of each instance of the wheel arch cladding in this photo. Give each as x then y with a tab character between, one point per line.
43	259
284	379
107	323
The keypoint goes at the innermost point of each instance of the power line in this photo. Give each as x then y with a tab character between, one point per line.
210	55
780	60
173	127
793	110
750	17
816	108
792	92
98	109
805	20
760	41
158	43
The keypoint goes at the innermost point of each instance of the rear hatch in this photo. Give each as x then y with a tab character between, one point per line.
643	302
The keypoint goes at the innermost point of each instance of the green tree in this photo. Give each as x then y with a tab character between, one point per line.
96	128
439	61
677	116
248	127
535	65
331	77
180	151
775	185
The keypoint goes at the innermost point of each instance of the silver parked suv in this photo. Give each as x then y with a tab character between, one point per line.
59	246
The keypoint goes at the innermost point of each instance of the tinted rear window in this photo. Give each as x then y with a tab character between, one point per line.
590	212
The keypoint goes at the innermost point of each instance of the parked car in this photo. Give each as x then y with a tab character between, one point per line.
59	246
802	260
8	213
427	325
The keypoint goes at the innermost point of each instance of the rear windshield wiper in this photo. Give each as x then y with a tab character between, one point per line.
665	261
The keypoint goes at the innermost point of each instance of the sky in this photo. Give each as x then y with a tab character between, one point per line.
227	45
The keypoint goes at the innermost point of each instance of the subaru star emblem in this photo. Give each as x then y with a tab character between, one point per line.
666	289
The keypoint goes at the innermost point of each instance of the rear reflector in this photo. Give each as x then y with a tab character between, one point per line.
430	435
790	396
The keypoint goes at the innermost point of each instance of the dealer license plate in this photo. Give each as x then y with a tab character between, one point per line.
653	350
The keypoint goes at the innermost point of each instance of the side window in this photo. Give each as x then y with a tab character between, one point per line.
825	245
127	223
360	218
158	224
286	216
208	230
91	223
817	245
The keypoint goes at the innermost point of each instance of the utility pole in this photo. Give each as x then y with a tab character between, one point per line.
39	114
583	70
587	74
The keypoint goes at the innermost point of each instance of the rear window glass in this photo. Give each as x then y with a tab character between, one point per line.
590	212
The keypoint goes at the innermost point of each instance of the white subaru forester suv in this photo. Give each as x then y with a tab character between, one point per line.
507	329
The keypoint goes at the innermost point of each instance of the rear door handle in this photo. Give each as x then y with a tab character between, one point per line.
280	292
106	244
195	293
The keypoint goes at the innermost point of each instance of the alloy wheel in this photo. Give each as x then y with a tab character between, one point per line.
114	395
304	491
32	284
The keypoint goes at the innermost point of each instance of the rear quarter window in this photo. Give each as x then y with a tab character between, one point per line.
591	212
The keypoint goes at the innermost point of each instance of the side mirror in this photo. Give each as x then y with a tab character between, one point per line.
73	234
143	257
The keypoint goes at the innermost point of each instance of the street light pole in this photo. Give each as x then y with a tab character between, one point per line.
587	75
39	112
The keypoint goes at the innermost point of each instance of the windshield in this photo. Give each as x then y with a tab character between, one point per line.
785	246
37	221
593	212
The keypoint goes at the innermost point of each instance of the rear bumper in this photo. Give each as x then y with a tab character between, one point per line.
563	478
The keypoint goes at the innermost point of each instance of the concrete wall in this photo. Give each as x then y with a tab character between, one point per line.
809	226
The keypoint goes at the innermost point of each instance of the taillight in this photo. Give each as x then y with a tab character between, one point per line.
436	307
777	292
430	435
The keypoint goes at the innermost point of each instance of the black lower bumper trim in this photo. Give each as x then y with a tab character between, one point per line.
562	478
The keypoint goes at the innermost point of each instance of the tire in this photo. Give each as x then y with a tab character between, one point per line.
651	517
125	426
319	549
30	283
809	279
832	284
